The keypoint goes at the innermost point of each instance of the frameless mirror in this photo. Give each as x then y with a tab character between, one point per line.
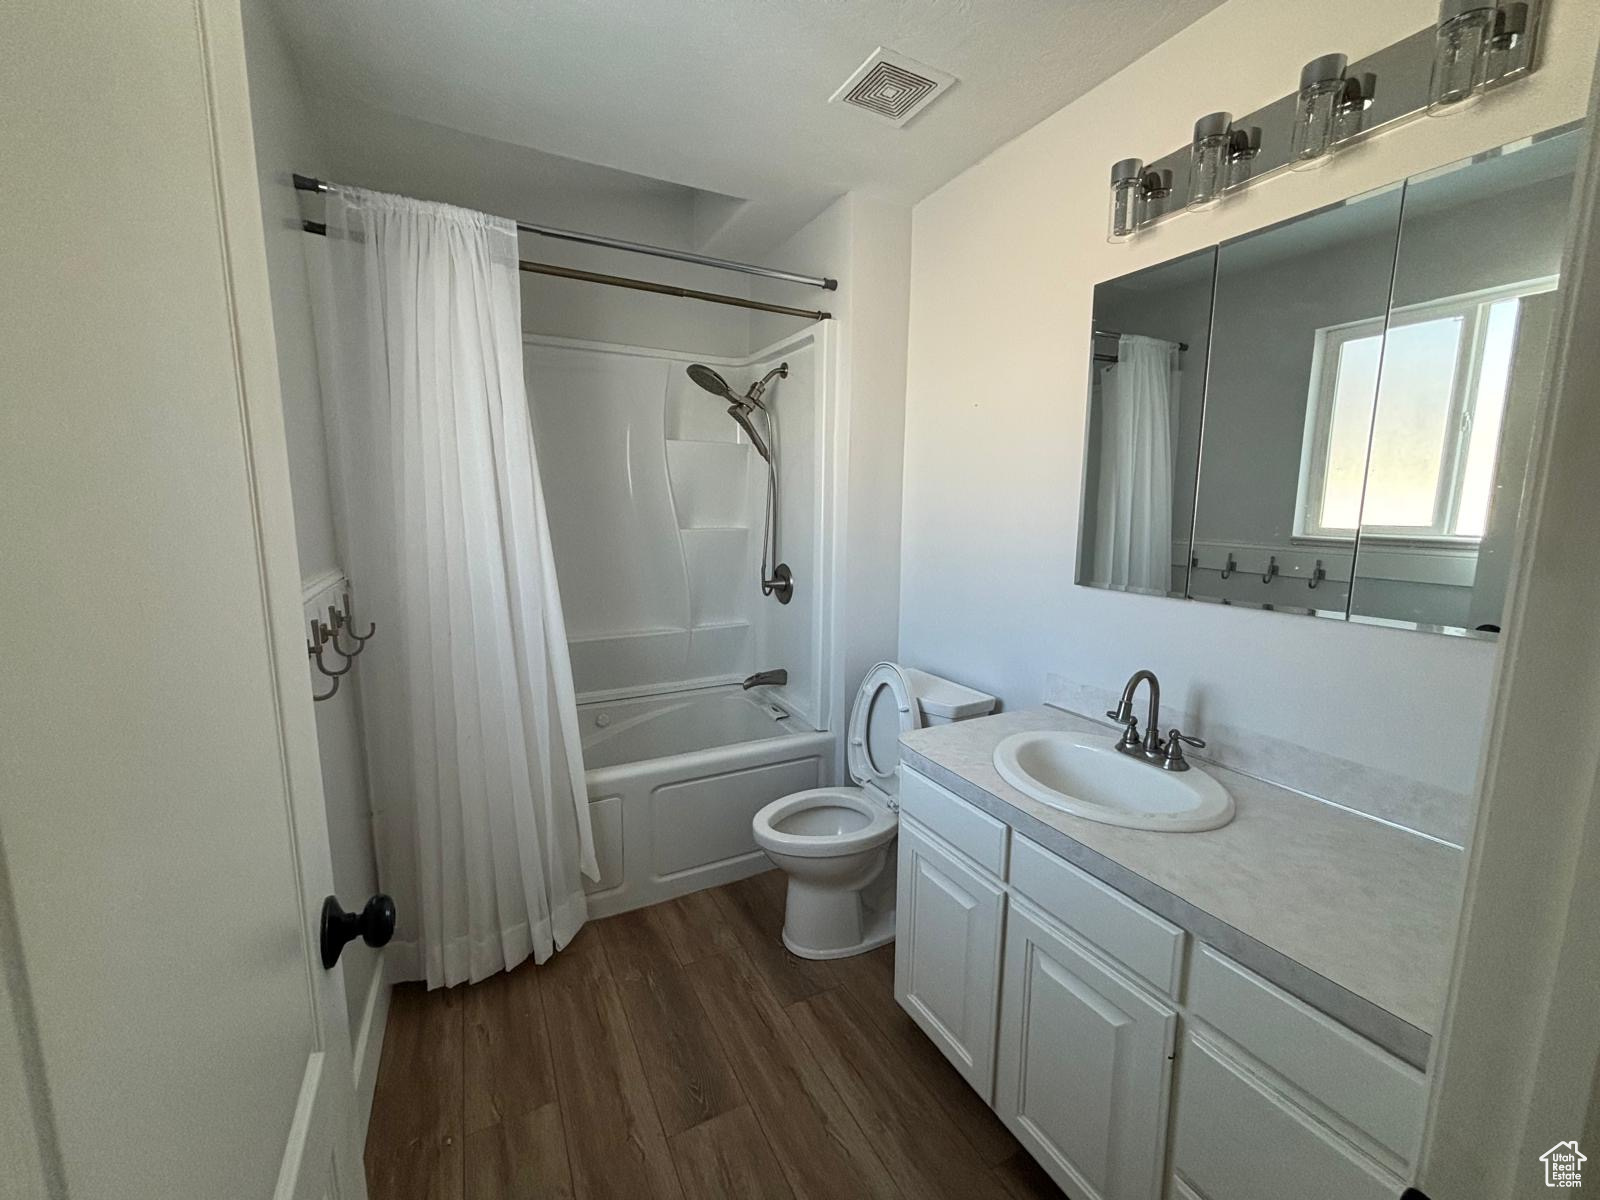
1463	363
1334	415
1146	393
1277	290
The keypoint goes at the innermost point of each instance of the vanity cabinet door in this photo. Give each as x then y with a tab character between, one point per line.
948	916
1084	1070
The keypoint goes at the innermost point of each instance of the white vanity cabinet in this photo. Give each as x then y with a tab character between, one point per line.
1084	1065
1133	1061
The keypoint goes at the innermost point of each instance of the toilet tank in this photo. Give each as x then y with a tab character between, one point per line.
942	701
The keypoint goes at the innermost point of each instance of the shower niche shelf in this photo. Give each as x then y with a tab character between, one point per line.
709	483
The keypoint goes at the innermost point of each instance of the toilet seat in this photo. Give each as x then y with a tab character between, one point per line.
807	825
885	707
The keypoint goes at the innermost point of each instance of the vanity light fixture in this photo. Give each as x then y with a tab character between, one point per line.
1136	195
1460	54
1475	46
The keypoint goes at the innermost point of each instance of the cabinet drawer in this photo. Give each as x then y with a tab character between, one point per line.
976	834
1146	944
1375	1092
1237	1139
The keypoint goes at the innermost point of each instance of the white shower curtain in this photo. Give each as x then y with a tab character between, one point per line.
476	774
1133	513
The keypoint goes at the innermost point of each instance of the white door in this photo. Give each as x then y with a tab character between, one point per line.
167	1031
1084	1069
948	917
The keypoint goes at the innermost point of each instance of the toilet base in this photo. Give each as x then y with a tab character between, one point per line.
830	922
879	932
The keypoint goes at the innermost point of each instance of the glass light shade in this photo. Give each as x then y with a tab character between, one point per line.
1127	200
1459	51
1316	110
1208	159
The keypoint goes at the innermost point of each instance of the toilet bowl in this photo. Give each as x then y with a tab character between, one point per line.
834	843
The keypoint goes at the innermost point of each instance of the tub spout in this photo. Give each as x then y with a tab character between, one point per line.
776	678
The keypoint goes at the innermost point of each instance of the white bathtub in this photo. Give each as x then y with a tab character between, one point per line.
673	782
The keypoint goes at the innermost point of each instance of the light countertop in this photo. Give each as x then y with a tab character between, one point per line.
1352	916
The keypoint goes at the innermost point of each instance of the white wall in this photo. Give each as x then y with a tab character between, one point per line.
388	153
1004	260
286	142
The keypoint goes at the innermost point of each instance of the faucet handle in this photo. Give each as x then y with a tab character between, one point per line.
1175	760
1130	730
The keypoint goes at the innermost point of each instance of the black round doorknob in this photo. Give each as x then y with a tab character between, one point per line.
374	925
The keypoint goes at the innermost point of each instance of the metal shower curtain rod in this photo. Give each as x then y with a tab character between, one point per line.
307	183
638	285
1116	333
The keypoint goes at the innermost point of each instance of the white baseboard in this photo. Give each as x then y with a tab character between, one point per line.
369	1049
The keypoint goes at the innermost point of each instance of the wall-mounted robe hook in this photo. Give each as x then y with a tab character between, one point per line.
338	623
1229	569
314	651
1272	569
321	637
349	619
1317	574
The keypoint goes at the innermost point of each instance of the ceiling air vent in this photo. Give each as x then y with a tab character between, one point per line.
892	87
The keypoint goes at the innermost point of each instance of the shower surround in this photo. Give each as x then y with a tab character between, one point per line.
656	502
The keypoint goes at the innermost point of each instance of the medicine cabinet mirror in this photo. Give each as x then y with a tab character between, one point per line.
1333	415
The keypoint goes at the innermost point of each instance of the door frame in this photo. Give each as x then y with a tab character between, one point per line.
325	1125
1514	1064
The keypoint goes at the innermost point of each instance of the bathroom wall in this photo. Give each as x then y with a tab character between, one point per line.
1004	262
287	141
864	243
390	153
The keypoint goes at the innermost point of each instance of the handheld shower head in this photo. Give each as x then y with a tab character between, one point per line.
712	382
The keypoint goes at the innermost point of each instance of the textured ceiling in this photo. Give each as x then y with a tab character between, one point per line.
726	96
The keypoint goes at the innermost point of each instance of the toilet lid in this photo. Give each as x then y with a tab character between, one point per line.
885	708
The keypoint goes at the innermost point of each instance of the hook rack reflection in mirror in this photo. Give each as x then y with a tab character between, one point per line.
1231	567
1318	574
1272	569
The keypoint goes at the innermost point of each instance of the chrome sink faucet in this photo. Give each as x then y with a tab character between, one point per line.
1152	748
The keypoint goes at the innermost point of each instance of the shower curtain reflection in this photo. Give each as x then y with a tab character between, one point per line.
1133	535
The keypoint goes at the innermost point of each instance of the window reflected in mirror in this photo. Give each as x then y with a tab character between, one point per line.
1461	373
1296	345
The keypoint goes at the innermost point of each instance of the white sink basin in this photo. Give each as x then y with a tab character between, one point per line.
1084	775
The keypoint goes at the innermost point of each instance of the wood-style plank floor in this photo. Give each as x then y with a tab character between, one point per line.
680	1051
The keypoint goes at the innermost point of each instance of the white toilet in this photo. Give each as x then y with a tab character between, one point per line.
834	842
